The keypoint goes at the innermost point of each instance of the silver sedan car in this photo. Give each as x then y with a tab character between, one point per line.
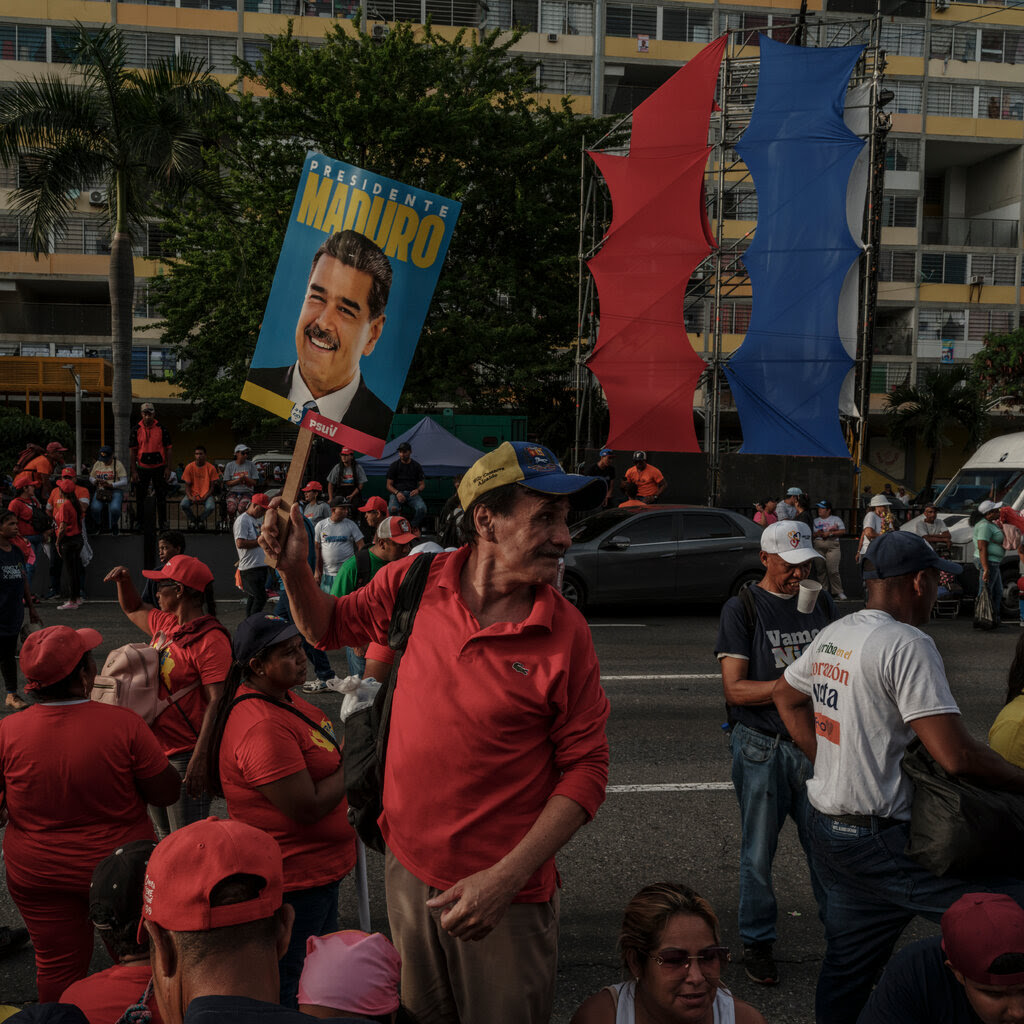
661	553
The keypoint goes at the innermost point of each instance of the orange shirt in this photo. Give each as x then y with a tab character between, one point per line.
262	744
58	497
647	482
41	467
200	479
633	503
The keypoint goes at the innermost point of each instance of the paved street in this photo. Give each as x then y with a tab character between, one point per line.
670	813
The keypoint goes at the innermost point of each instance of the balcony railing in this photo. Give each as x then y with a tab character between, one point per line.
1000	234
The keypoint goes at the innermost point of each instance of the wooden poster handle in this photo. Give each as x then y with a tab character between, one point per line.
292	483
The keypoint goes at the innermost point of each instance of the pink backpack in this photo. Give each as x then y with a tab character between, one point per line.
131	679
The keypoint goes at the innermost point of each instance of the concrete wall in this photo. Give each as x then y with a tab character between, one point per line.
993	183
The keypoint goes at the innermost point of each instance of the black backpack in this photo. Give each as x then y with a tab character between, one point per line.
366	730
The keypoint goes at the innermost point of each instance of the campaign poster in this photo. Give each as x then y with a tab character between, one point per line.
357	270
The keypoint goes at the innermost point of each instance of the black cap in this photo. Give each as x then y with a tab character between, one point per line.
340	503
405	447
260	631
115	894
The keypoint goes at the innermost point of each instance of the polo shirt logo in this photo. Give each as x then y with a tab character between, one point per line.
520	668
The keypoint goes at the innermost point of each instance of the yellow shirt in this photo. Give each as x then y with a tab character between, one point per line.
1006	737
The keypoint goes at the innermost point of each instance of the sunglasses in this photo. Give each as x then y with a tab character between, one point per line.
679	959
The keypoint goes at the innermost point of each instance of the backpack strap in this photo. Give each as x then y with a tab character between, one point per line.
363	567
292	710
749	608
403	616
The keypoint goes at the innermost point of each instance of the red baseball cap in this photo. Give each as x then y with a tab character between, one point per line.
68	473
260	500
347	451
312	486
182	569
187	865
978	929
48	655
23	480
374	504
55	446
396	528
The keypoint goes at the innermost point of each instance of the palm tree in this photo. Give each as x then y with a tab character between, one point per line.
136	131
925	411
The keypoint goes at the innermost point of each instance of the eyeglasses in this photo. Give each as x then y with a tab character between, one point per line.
679	959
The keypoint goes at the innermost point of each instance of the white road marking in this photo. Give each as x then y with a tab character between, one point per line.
672	787
670	675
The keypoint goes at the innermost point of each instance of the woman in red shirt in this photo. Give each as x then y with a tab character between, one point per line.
75	778
195	658
23	504
274	757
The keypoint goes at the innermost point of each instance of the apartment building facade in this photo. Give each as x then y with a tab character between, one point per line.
950	270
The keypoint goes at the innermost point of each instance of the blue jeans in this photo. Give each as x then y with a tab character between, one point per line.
316	913
356	664
186	809
208	506
770	778
995	587
321	665
114	510
873	890
414	508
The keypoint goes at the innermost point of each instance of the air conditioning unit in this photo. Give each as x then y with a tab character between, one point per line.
379	33
941	5
978	279
552	37
98	197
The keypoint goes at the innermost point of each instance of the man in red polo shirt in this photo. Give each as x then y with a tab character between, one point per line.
497	751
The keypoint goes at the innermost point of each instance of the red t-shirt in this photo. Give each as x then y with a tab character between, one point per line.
68	774
486	725
103	997
23	510
263	744
206	658
57	499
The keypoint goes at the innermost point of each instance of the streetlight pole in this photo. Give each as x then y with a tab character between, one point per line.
70	367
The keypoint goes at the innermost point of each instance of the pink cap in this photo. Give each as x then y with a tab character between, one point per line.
352	972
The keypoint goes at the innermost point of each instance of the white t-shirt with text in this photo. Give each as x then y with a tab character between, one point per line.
337	543
869	677
247	527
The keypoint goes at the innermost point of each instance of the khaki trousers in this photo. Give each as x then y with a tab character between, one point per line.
506	978
829	576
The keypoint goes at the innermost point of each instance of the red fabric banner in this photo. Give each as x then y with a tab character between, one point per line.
658	235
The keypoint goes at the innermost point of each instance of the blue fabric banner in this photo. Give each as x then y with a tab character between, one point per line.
787	374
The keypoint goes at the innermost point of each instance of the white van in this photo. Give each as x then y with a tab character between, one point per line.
995	472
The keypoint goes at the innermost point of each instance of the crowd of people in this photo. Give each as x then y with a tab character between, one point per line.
107	813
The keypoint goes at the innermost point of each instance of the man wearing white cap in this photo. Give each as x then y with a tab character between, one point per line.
873	525
988	552
786	509
761	632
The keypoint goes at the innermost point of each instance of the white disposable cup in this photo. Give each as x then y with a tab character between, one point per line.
808	597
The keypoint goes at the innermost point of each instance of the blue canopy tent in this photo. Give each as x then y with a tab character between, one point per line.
439	452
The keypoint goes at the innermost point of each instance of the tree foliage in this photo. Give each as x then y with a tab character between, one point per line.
926	411
18	430
999	367
136	131
452	116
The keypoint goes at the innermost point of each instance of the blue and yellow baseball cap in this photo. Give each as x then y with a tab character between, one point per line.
536	468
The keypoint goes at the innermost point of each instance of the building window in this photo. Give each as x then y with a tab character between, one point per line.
23	42
908	96
1002	46
564	76
902	154
896	265
686	24
145	49
943	268
629	20
903	39
735	317
899	211
999	104
945	99
953	43
996	270
981	322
